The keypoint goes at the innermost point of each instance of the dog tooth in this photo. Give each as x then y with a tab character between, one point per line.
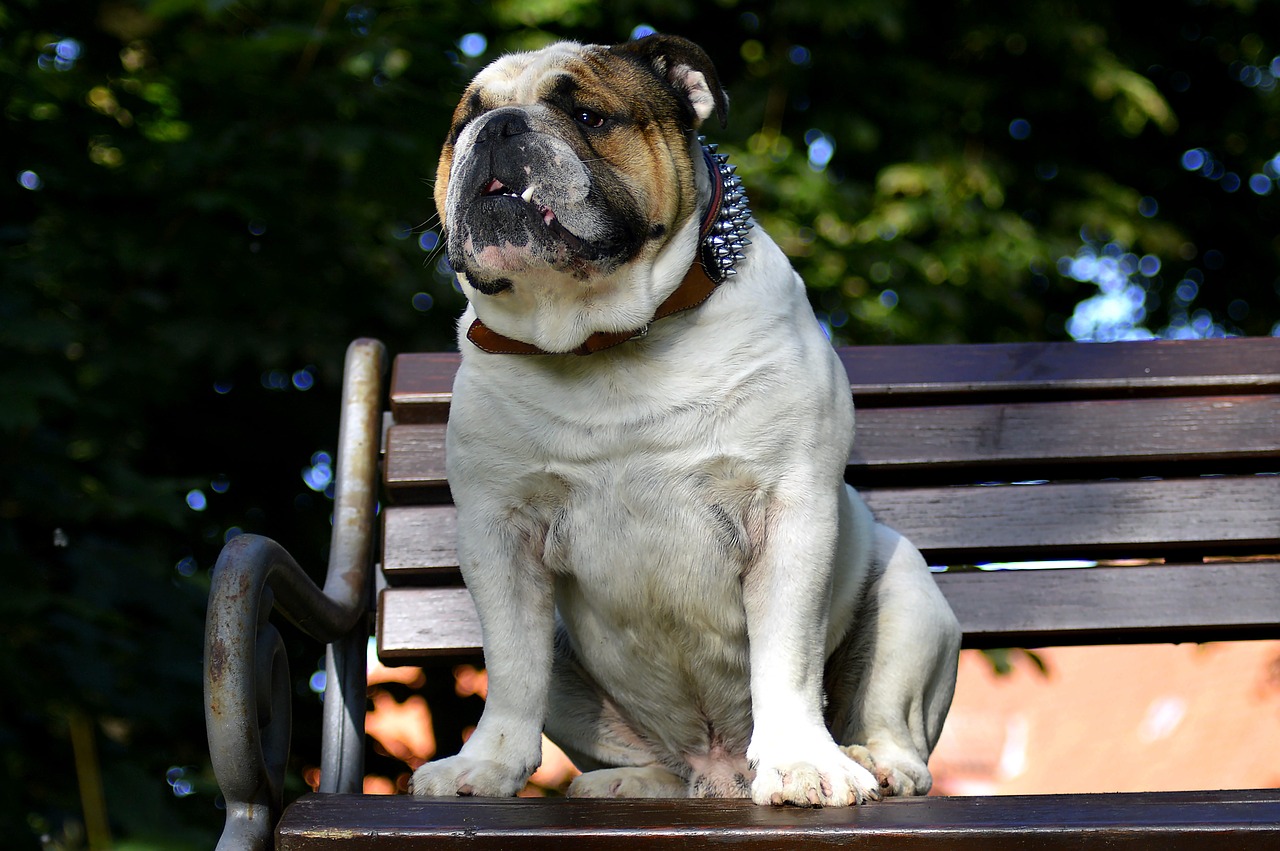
527	195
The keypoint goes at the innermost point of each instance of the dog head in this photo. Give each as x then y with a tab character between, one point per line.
571	180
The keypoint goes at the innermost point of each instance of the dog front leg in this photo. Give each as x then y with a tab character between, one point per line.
785	595
514	599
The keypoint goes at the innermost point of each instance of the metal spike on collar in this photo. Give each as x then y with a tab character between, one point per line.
725	240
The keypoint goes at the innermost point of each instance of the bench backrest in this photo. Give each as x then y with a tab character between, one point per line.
1155	464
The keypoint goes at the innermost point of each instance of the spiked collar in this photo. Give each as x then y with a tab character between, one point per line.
722	239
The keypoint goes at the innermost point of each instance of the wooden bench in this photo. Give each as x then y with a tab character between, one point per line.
1156	460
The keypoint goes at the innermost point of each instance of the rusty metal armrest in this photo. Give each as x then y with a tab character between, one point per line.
247	688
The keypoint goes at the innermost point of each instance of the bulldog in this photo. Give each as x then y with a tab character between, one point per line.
646	446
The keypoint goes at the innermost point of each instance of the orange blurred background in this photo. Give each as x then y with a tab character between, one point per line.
1130	718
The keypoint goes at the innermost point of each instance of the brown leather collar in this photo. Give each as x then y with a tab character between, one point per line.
696	288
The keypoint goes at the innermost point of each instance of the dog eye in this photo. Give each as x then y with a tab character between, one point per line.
588	118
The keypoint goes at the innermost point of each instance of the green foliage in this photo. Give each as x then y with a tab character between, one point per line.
1003	659
203	201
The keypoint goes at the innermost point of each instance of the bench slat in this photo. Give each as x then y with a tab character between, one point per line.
889	375
414	467
422	386
954	525
419	542
1168	820
417	624
1061	436
1108	519
892	375
1004	608
930	443
1116	605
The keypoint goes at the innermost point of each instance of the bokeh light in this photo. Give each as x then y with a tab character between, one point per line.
60	55
176	777
1194	159
1125	281
473	45
275	379
319	475
821	149
360	18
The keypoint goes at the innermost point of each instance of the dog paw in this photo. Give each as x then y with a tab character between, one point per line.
460	775
903	776
833	780
647	782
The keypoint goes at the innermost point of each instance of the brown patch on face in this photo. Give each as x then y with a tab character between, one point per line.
645	135
470	107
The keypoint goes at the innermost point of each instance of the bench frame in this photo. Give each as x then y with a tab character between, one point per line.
247	685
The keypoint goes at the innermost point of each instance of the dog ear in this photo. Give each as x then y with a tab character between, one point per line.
687	67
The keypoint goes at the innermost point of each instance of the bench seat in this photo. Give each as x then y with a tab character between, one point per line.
1197	821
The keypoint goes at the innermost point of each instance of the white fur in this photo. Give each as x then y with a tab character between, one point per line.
678	502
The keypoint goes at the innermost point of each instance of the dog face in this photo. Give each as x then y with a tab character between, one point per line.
564	165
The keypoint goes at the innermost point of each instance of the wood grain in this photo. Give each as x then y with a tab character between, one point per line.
420	542
1116	605
996	608
1106	519
886	375
417	624
1111	437
1171	821
1017	441
414	465
955	525
942	374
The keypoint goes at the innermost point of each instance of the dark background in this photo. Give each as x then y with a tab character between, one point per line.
202	202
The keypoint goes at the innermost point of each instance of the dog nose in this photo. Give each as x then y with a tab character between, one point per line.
503	124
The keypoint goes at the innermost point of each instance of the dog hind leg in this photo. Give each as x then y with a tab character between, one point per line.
891	680
617	761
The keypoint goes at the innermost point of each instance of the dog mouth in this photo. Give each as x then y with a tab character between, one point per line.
536	210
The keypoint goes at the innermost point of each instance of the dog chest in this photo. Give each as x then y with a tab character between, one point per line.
648	567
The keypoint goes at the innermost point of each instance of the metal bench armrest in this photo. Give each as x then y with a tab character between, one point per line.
247	688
